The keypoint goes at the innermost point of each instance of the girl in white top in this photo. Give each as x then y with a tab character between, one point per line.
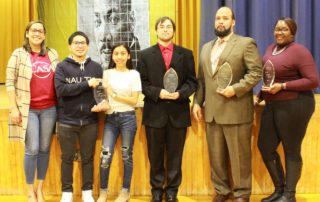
123	85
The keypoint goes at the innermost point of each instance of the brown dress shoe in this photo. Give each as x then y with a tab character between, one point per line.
220	198
241	199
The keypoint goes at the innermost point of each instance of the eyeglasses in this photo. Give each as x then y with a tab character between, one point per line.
33	31
78	43
278	29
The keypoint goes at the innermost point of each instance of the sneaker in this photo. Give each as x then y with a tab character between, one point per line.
66	197
102	196
124	196
87	196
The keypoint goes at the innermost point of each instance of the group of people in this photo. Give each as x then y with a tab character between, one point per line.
43	91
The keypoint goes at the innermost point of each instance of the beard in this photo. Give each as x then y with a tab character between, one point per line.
223	33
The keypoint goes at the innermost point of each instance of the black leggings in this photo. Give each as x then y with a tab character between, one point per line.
285	122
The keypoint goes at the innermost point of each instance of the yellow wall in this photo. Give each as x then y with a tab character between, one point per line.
158	9
61	21
14	16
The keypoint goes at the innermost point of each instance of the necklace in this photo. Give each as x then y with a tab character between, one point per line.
277	52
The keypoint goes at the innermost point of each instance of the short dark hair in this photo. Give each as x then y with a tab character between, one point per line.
129	61
78	33
290	23
164	18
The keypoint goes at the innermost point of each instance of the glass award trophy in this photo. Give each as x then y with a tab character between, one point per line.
224	76
170	80
268	74
99	92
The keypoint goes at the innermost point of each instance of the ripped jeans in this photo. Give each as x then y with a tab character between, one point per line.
123	123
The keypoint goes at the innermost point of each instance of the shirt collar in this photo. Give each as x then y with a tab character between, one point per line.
169	47
226	38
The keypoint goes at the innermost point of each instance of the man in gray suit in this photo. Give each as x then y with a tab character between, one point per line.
228	111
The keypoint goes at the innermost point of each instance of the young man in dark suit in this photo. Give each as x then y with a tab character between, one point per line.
166	113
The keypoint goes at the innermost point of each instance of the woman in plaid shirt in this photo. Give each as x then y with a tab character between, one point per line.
31	93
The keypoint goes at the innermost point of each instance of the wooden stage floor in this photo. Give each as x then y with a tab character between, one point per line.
254	198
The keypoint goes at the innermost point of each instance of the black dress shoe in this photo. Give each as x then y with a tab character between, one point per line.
275	195
171	198
286	199
156	197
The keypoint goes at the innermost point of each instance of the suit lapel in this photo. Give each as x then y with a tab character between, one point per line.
158	59
176	56
208	58
225	53
227	50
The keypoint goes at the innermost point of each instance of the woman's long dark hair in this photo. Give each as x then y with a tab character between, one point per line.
129	61
26	44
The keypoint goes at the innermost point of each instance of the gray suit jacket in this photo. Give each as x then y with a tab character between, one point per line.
243	56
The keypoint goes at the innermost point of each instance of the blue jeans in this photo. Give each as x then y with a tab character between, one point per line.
37	144
116	123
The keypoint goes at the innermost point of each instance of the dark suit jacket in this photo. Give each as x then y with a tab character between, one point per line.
157	112
243	56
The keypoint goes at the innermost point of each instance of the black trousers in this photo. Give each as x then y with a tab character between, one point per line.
165	149
68	135
285	122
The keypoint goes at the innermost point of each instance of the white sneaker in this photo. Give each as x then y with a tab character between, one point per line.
124	196
87	196
102	196
66	197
